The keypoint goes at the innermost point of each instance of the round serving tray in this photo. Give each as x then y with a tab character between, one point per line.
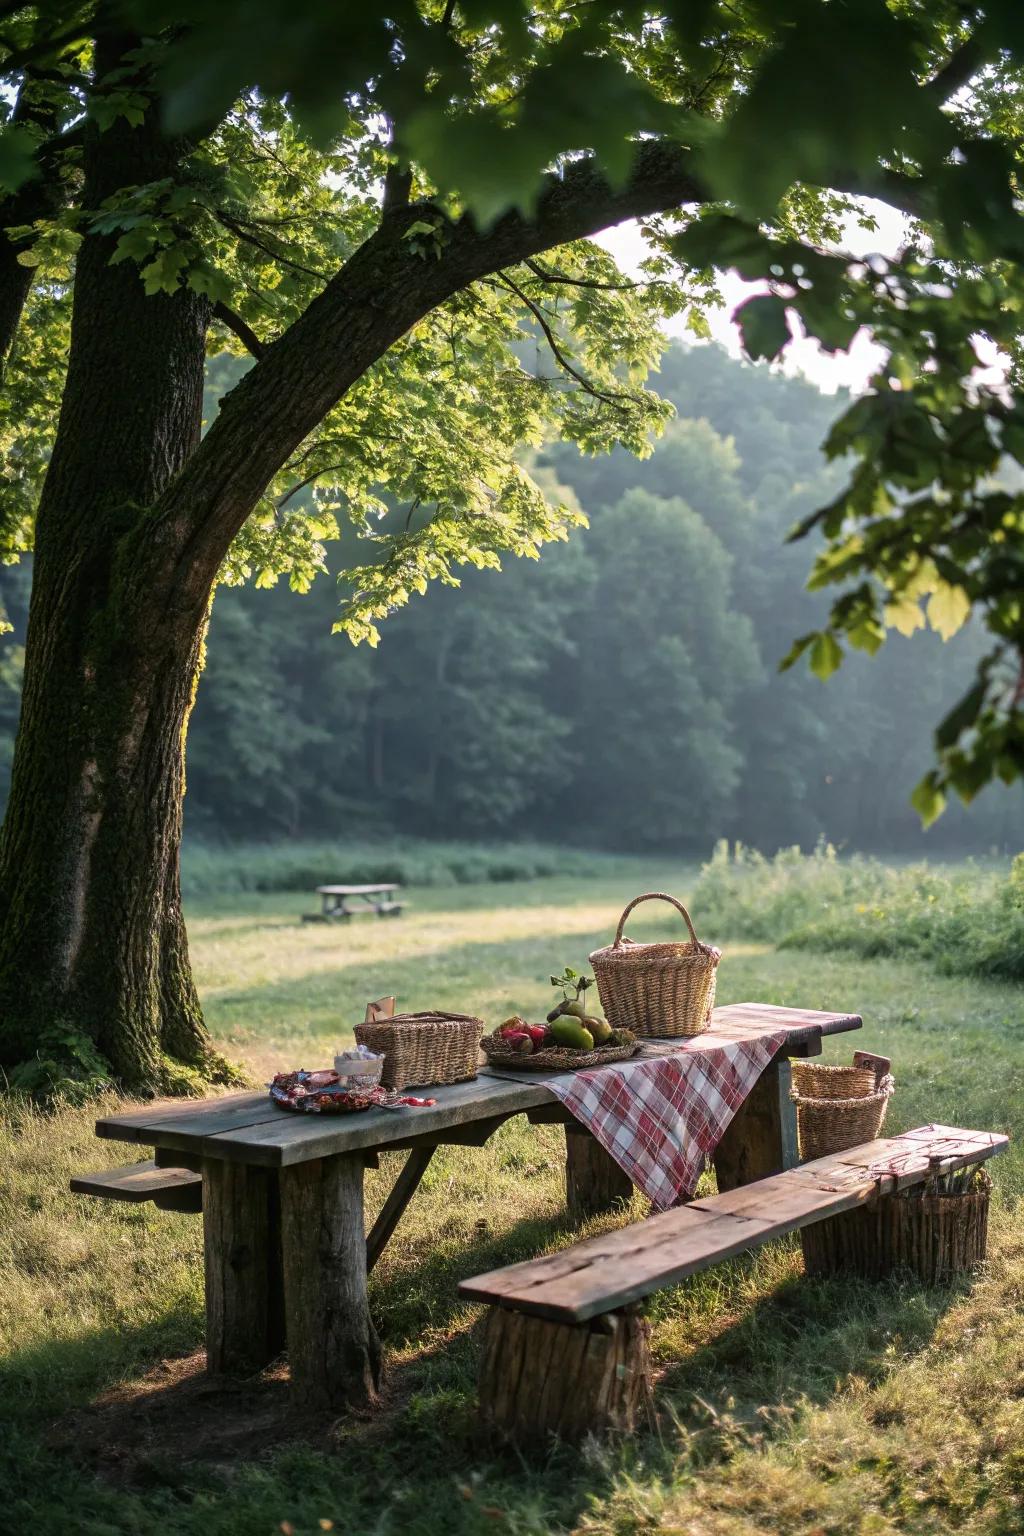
555	1058
312	1093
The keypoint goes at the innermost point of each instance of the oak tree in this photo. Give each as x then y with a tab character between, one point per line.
382	206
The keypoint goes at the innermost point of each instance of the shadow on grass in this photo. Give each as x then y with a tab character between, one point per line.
432	972
801	1342
50	1375
362	972
53	1378
158	1428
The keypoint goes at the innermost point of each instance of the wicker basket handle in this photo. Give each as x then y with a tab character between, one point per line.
656	896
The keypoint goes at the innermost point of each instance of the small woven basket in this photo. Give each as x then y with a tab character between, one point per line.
831	1124
424	1049
812	1080
657	990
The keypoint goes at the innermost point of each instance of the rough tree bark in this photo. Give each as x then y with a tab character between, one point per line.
91	933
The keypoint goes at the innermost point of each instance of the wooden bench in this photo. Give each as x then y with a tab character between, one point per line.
564	1349
170	1189
340	902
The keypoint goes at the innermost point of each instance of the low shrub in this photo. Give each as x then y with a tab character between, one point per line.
209	870
964	919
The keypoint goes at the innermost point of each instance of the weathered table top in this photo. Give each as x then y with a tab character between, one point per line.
355	890
250	1128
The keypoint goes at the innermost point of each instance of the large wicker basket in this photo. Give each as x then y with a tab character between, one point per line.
657	990
423	1049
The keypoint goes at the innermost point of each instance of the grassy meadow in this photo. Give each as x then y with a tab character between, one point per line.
785	1405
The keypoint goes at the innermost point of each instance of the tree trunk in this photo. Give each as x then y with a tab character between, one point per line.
92	940
92	943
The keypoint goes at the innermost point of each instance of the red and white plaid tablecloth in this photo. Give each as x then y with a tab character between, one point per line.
661	1117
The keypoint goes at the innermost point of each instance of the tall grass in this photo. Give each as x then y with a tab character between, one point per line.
208	870
964	919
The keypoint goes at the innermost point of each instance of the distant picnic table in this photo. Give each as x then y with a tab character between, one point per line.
340	902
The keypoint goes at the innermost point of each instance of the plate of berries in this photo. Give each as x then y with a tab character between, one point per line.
328	1093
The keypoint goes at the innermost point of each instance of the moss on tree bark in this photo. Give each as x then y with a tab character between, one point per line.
93	951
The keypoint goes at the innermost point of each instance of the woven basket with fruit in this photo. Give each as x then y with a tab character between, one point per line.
572	1037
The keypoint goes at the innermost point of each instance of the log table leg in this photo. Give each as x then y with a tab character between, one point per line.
333	1348
594	1182
539	1378
760	1139
242	1245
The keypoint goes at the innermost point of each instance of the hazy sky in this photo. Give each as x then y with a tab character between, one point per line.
829	372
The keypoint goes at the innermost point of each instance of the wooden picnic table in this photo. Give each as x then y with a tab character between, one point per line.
286	1253
341	902
336	902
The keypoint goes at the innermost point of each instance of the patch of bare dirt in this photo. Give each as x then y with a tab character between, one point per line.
154	1429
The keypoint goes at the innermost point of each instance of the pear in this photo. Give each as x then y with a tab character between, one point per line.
599	1028
570	1032
576	1009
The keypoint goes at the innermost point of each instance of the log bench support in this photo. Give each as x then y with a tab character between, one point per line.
565	1353
541	1378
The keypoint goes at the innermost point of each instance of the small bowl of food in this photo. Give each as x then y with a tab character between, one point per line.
358	1068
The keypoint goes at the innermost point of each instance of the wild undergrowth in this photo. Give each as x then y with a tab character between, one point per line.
210	870
963	919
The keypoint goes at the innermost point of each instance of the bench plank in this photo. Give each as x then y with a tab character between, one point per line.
619	1268
170	1188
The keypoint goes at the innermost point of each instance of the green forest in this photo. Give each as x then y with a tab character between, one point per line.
622	691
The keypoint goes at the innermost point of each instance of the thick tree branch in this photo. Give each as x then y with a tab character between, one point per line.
961	67
245	333
383	290
397	187
35	199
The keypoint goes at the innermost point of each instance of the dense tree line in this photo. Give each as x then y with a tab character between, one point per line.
622	690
